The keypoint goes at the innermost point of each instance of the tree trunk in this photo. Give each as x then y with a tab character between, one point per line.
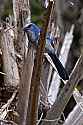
24	88
9	61
21	10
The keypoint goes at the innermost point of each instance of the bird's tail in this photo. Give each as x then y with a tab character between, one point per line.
55	62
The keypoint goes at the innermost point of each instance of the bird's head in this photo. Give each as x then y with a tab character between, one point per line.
33	31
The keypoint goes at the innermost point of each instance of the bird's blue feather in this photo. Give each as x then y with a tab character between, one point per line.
33	32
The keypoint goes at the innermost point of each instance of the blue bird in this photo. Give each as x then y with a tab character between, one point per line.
33	33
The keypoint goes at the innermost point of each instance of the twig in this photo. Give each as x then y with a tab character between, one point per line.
44	90
40	119
3	73
7	122
4	108
50	120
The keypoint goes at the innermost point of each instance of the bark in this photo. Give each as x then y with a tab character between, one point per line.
76	116
21	10
21	6
55	112
81	39
59	9
9	61
15	11
24	87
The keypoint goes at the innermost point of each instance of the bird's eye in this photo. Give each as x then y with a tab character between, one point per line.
29	26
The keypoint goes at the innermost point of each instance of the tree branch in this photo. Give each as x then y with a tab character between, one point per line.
35	82
66	93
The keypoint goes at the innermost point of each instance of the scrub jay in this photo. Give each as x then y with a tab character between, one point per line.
33	33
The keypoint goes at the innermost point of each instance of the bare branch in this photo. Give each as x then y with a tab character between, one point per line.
35	82
66	93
